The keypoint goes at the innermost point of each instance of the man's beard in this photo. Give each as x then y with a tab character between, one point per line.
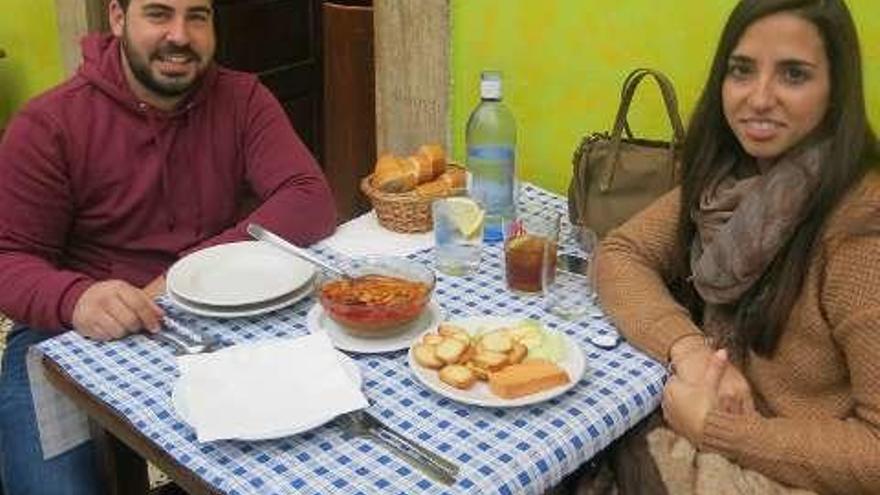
140	67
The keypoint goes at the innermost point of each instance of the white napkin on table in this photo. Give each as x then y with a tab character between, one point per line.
253	390
363	236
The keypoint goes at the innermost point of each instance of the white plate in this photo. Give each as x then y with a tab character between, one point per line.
242	310
237	273
319	321
479	395
351	369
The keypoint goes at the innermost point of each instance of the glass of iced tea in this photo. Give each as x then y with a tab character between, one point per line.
530	249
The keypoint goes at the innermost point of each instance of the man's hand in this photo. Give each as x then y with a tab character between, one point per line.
113	309
691	357
156	287
687	403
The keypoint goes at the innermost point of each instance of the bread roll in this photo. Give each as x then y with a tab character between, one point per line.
526	378
394	175
435	156
422	165
447	183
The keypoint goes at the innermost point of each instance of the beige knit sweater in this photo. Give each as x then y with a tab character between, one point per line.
820	392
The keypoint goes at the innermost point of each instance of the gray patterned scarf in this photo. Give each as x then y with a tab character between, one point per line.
741	225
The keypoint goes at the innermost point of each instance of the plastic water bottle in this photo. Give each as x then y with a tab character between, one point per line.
491	156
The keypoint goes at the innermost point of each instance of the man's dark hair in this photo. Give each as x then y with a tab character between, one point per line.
762	312
123	4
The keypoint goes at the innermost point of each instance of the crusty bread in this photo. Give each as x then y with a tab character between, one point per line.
453	331
517	353
489	360
482	373
394	175
432	339
458	376
422	165
448	182
526	378
497	341
450	350
435	156
426	355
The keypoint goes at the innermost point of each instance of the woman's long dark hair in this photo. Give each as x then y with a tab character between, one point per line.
762	312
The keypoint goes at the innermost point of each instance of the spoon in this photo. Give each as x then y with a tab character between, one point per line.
261	234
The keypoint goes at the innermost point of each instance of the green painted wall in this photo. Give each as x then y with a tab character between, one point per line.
29	35
564	61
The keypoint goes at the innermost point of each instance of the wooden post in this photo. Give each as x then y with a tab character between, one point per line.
412	74
75	19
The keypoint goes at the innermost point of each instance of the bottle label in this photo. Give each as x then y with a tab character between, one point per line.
492	178
505	153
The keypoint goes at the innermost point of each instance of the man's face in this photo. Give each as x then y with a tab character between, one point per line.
168	44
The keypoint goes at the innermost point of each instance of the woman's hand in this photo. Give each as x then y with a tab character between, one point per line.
690	357
686	403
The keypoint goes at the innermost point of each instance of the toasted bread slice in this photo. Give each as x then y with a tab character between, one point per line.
517	353
481	373
458	376
426	355
450	350
459	333
432	339
489	360
497	341
526	378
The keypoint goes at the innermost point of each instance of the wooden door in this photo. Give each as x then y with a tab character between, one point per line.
280	40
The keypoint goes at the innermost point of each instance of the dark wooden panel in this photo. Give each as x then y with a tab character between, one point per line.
266	35
280	41
349	103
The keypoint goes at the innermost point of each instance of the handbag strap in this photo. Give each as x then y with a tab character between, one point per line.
621	124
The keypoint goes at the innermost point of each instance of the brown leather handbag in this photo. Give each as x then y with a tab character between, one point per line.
615	176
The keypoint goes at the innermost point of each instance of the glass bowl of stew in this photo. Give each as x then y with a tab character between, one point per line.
382	295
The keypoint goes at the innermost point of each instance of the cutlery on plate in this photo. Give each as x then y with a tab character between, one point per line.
364	424
261	234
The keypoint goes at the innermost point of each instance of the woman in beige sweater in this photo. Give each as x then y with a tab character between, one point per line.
759	279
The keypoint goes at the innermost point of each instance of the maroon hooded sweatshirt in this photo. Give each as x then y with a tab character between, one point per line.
96	185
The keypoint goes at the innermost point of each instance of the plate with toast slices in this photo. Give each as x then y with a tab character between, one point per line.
496	361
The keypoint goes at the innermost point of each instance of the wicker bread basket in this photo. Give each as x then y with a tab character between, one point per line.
406	212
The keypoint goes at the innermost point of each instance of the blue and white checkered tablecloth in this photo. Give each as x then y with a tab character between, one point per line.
508	451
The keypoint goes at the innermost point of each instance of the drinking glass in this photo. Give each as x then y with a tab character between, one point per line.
530	249
458	234
569	290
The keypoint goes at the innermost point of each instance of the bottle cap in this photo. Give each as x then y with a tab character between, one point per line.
490	85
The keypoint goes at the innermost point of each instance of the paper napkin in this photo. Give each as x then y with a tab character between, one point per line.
265	389
363	236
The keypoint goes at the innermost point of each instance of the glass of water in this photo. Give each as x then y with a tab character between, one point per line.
569	291
458	234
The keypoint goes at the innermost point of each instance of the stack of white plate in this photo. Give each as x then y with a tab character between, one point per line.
238	279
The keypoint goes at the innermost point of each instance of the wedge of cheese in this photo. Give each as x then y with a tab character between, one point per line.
526	378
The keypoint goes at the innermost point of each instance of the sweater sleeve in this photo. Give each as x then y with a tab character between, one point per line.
293	197
829	455
35	216
633	266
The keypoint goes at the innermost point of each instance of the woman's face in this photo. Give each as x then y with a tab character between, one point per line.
777	86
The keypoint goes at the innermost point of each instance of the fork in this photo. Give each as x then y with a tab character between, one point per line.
178	336
364	424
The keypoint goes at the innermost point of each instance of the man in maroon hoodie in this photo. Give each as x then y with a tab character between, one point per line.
145	155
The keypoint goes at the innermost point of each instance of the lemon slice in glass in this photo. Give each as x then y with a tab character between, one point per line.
466	214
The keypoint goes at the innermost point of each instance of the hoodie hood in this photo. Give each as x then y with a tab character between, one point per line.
102	66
